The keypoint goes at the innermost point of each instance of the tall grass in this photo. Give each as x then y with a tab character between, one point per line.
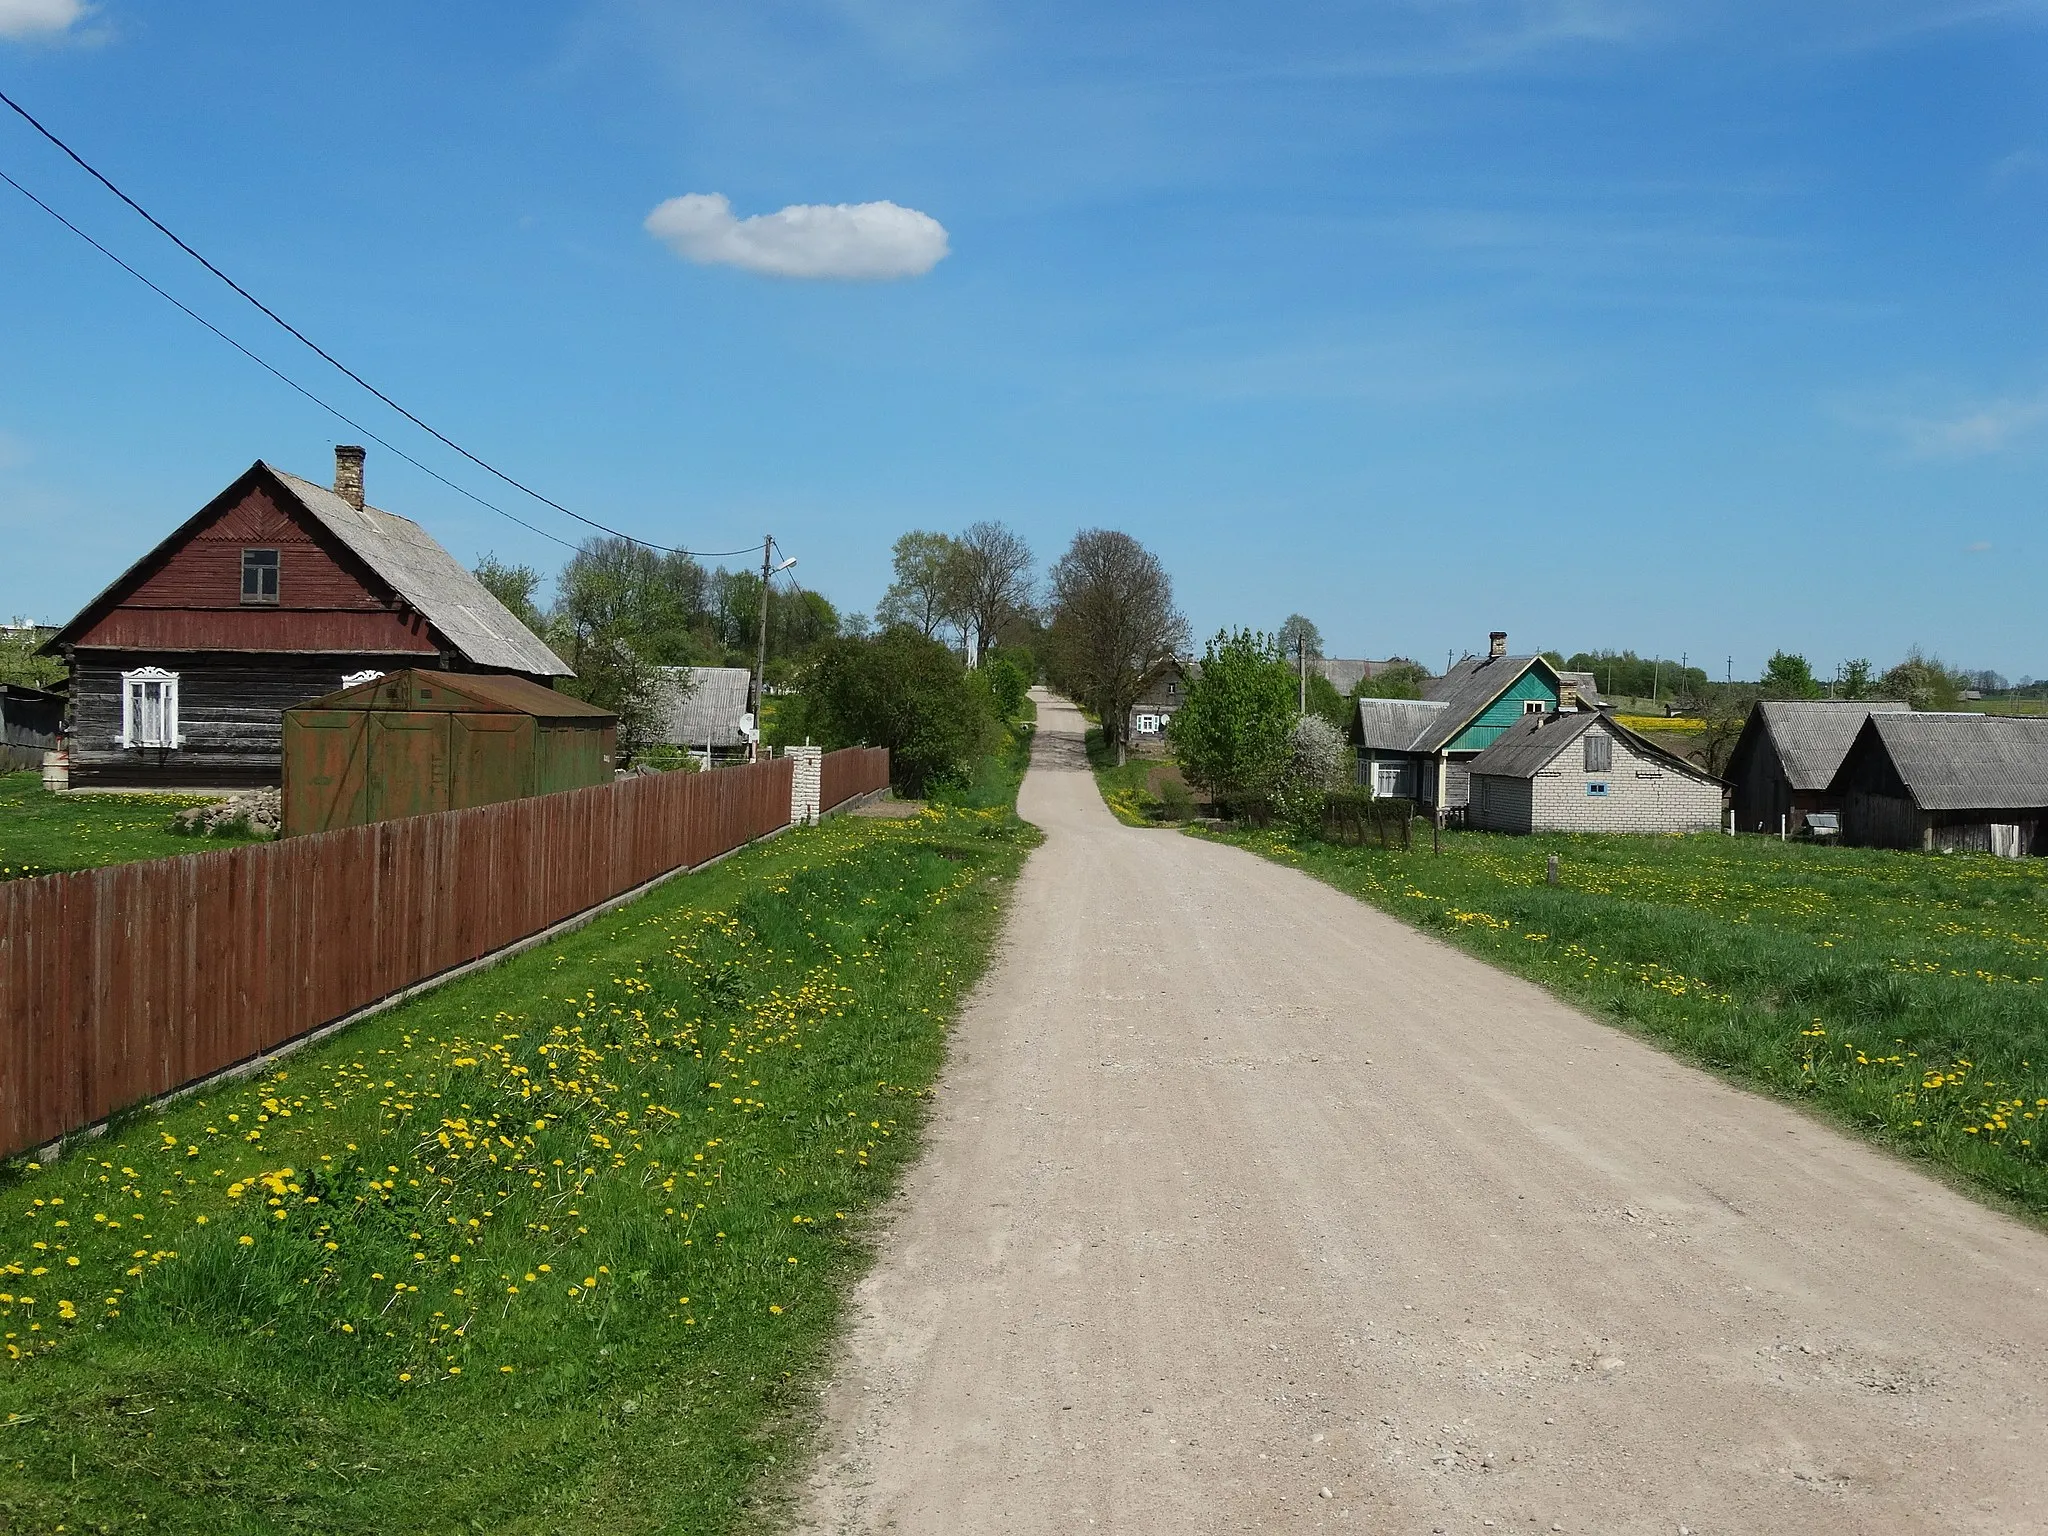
1900	993
543	1251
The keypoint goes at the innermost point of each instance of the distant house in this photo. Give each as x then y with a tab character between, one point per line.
704	709
1586	772
1947	783
275	592
1421	749
1787	755
1165	692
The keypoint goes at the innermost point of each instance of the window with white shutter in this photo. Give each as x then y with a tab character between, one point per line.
149	708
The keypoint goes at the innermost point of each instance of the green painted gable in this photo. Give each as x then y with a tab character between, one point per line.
1538	683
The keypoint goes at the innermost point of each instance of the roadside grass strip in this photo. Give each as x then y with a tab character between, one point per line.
46	834
549	1249
1127	791
1900	993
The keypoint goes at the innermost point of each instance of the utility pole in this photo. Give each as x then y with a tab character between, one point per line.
761	649
1301	657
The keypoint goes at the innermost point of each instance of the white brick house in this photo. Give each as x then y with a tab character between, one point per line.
1587	773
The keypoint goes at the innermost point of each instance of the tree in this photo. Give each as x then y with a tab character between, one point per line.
1725	714
926	594
1316	762
991	577
1007	684
1300	642
904	691
1113	623
1924	682
1788	676
514	586
1397	680
22	663
1231	734
1326	702
1853	680
632	595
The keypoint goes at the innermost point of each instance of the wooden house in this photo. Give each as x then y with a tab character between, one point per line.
29	722
1586	772
1787	756
1947	783
1165	692
1421	749
704	710
275	592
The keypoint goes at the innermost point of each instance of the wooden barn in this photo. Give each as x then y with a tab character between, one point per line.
1947	783
414	741
1787	756
30	719
275	592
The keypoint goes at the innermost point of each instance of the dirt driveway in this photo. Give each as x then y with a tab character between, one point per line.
1248	1208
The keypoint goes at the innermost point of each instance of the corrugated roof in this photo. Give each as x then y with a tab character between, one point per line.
1585	682
1466	690
702	706
1814	735
489	692
404	554
1533	743
1963	762
1394	725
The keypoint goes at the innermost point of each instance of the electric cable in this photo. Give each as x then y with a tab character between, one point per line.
328	357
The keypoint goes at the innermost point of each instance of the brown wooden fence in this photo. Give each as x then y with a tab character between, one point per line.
121	984
851	771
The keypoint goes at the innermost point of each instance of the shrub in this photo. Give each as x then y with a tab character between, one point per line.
901	691
1008	684
1176	801
1231	736
1315	766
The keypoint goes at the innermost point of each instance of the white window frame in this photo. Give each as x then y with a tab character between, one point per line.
1148	725
1534	707
352	679
132	686
1386	780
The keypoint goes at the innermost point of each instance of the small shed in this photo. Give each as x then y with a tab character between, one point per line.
1948	783
30	719
1586	772
703	709
416	741
1787	756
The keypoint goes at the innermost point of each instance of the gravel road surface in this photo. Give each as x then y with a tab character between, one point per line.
1247	1208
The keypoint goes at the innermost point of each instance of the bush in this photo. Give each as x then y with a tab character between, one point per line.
1008	683
901	691
1176	801
1232	735
1315	766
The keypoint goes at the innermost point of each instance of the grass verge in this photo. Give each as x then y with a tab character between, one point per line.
1902	994
1131	791
549	1249
1000	773
46	834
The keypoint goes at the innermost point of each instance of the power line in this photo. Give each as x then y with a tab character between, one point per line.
328	357
339	415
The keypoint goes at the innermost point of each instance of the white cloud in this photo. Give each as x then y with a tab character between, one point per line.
30	18
1975	431
872	241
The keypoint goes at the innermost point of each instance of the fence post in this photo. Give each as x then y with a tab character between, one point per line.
806	785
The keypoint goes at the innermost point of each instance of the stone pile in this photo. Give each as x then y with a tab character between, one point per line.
262	810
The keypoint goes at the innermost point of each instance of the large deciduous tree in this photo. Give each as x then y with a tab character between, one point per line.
992	569
926	594
1113	623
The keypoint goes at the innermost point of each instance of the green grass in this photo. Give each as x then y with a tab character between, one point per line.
553	1248
1128	790
1902	994
42	834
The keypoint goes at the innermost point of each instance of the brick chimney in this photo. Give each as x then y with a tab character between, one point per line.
348	475
1497	648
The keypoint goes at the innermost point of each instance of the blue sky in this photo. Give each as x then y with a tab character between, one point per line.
1698	328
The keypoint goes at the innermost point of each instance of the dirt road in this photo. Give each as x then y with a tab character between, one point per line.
1246	1207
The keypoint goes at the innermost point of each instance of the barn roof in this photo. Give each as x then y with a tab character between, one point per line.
702	706
1533	743
419	570
1467	689
1814	735
1965	762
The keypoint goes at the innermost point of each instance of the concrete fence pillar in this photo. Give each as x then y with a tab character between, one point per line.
806	783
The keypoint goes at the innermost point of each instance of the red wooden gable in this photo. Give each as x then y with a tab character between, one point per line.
187	594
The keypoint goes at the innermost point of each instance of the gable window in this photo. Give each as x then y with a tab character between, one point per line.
149	708
1532	706
259	575
1599	752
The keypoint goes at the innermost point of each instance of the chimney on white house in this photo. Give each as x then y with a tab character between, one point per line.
1498	639
348	474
